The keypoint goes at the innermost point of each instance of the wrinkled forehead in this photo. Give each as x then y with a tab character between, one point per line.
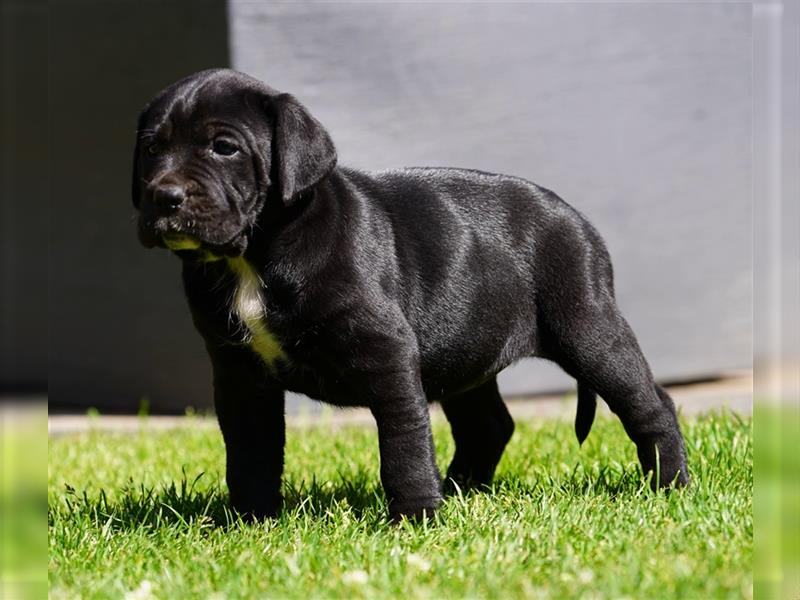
197	102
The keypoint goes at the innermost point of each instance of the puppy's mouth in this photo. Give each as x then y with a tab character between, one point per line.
180	241
164	233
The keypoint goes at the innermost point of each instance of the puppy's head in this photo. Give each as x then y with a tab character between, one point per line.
211	151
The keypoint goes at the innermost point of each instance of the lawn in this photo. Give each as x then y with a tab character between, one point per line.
143	515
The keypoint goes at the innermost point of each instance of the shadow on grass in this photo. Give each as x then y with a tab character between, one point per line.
604	481
186	504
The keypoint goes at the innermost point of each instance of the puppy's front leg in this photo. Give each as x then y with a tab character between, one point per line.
250	409
409	473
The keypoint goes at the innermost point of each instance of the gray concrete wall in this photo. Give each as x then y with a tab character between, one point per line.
636	113
119	327
639	114
23	197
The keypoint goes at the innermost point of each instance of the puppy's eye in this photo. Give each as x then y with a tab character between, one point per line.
153	149
224	147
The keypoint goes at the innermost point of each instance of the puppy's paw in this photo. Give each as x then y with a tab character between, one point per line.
455	484
679	479
414	509
663	460
254	512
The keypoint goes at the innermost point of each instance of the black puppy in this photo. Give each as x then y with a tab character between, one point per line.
386	290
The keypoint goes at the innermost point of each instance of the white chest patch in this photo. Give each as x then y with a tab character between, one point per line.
248	306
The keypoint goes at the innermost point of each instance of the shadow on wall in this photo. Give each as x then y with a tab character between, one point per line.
119	327
23	197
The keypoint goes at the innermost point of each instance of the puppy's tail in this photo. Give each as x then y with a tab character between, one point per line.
584	417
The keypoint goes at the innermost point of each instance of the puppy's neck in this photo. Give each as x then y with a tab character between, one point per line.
247	305
307	228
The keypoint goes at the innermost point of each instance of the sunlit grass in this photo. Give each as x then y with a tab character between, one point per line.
145	513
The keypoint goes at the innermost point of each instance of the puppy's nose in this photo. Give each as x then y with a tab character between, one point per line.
169	197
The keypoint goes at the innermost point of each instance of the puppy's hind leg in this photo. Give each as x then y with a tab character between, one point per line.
600	350
481	428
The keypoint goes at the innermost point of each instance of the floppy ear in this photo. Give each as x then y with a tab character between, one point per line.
302	151
136	181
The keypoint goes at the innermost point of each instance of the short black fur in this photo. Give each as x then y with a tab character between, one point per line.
386	290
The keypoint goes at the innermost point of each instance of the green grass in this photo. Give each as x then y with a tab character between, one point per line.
145	513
